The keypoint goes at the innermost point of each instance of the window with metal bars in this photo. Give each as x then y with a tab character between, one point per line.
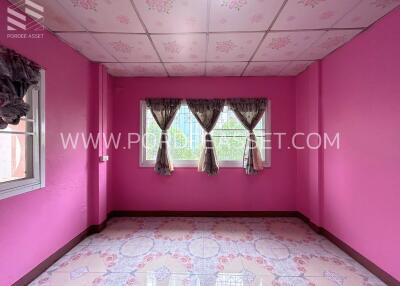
185	138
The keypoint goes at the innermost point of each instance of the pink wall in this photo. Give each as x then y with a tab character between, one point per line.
34	225
136	188
101	171
307	122
360	98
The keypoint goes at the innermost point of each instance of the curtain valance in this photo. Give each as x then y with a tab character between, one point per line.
17	75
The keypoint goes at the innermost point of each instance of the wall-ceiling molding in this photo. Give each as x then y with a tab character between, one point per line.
209	37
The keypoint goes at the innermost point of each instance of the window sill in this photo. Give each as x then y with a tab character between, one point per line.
193	164
4	194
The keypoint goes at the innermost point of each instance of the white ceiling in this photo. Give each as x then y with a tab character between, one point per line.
209	37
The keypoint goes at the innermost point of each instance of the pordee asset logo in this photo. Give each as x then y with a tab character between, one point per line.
25	20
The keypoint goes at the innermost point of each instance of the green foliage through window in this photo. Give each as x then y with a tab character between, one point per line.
185	136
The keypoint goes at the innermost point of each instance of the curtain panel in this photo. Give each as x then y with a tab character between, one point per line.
17	75
207	112
163	111
249	111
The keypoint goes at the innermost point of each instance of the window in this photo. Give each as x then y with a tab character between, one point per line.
22	148
185	138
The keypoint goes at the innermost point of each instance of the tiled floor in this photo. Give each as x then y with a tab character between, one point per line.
206	251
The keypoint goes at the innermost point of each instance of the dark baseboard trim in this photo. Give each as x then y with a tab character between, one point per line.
368	264
39	269
203	214
373	268
96	228
312	225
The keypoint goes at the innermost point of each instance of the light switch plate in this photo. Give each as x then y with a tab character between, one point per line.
104	158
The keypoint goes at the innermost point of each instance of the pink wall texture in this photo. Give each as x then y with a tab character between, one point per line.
360	98
307	122
137	188
100	121
35	225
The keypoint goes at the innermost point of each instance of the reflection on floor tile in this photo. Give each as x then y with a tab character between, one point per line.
206	252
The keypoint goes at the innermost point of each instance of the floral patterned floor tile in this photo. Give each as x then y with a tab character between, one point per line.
291	232
75	278
162	277
206	251
293	281
232	279
330	248
325	270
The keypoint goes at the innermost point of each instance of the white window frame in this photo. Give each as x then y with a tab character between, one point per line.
193	163
17	187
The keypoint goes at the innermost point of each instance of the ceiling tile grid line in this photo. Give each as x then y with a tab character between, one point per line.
225	32
203	62
347	13
207	36
219	37
337	21
213	33
387	7
265	34
76	23
271	31
331	28
85	31
327	30
148	35
329	43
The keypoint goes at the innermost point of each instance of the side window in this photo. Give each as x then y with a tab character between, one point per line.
22	148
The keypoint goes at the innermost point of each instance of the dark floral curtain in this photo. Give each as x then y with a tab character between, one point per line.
250	111
207	112
163	111
17	75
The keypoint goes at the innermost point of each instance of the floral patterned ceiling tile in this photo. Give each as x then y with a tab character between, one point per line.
312	14
242	15
225	69
128	47
173	16
181	48
329	42
366	13
265	68
232	46
86	45
185	69
55	17
105	15
115	69
282	46
145	69
295	67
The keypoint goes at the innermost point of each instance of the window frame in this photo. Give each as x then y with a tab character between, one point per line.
21	186
193	163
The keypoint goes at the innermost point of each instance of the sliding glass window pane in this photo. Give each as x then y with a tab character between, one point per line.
184	136
229	148
16	157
